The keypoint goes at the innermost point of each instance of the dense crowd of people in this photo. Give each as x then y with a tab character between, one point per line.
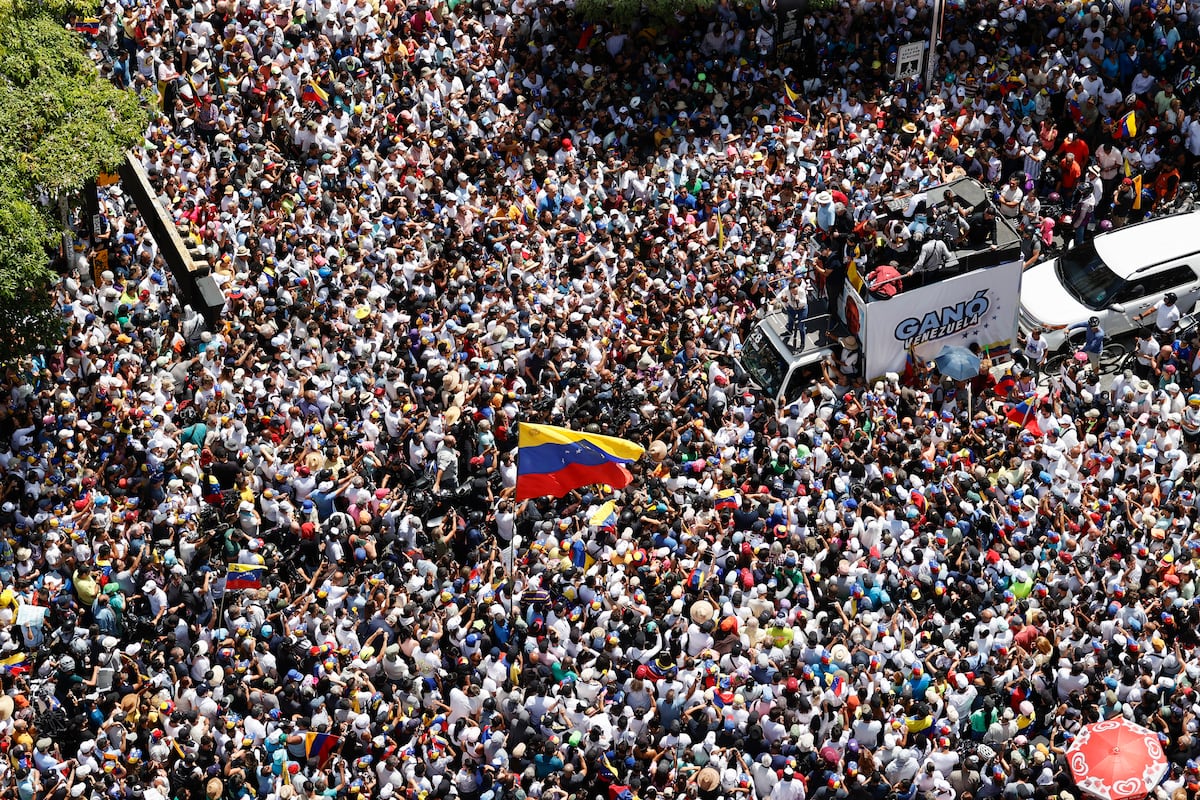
281	557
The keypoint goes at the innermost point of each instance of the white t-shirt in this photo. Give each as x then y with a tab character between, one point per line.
1165	316
1011	194
1035	350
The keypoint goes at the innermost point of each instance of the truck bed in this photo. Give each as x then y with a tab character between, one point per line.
817	326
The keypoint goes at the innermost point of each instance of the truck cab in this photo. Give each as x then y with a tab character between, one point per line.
780	370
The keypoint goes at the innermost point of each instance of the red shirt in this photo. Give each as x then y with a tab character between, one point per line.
1070	174
1080	149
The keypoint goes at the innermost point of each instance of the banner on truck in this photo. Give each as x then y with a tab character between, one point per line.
978	307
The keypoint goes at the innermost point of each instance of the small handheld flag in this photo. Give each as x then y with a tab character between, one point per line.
15	664
790	113
1023	414
88	27
1126	127
727	498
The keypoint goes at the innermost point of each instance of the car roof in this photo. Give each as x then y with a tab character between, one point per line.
1128	249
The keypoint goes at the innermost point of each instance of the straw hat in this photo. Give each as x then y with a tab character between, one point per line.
823	198
849	342
6	707
214	788
708	779
702	612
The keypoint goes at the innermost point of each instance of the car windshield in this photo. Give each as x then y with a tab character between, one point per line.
766	365
1088	278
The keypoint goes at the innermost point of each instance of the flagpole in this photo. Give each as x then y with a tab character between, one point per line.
1028	408
512	581
935	34
221	606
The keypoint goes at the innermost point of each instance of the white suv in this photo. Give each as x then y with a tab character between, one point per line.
1116	276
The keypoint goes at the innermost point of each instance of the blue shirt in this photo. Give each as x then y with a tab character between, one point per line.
1094	337
323	503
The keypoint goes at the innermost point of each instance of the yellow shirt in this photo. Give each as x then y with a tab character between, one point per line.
86	589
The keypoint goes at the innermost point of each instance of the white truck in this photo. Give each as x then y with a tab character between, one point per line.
974	299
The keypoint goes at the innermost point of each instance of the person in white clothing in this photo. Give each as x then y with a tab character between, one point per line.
1166	313
1036	350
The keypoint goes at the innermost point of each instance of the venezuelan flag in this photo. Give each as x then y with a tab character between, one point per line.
789	113
311	93
553	460
88	27
15	664
1126	127
320	746
604	515
1025	415
244	576
605	771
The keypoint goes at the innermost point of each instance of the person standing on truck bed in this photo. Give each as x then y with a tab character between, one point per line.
795	303
934	255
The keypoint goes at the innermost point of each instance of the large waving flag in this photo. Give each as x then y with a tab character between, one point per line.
244	576
320	746
553	460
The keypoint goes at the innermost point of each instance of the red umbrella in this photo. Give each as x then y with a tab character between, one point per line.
1117	760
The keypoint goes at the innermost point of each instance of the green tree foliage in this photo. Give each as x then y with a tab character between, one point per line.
61	125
